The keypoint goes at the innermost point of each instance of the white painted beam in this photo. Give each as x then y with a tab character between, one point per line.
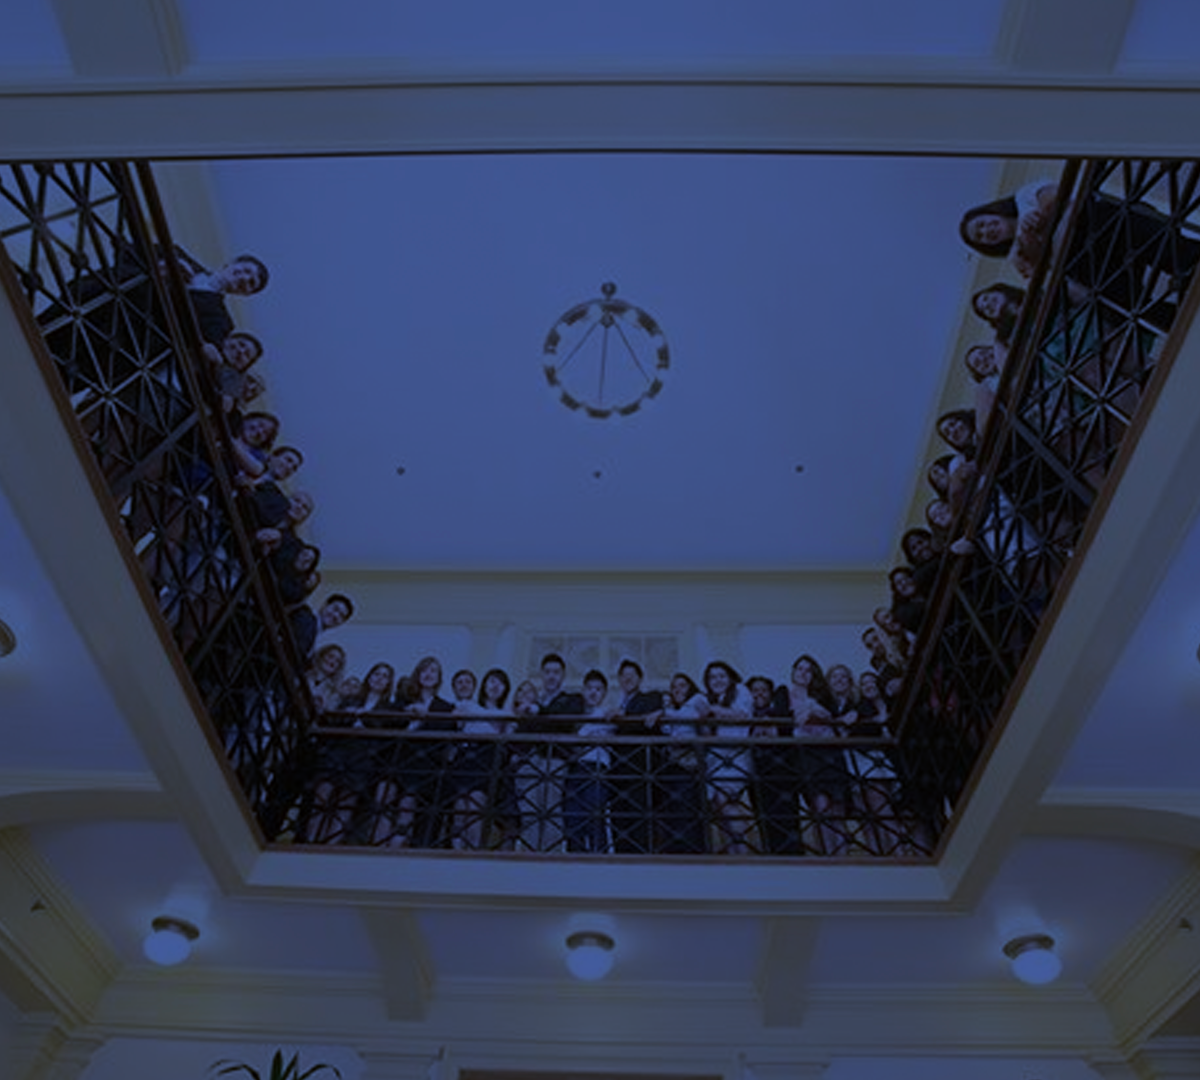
185	119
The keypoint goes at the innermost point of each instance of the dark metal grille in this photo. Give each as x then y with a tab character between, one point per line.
83	242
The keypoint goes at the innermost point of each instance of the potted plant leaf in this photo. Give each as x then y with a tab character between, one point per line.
280	1069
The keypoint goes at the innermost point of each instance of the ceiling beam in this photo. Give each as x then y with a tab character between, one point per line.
49	951
1156	970
1074	37
178	119
122	38
1153	816
32	798
404	961
782	979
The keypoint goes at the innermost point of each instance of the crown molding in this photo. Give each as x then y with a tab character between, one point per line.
46	936
1156	969
30	798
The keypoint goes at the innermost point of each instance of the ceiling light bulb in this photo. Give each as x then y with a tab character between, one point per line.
1034	960
589	954
169	941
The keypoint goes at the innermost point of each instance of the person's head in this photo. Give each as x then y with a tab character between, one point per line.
629	675
886	620
306	559
241	350
493	691
329	661
336	610
868	686
350	688
554	670
427	675
309	583
462	682
595	686
761	688
253	387
721	682
939	515
990	228
904	585
244	275
918	546
259	430
526	693
841	680
406	691
683	688
981	362
938	474
874	643
379	680
998	303
283	462
807	673
957	428
300	506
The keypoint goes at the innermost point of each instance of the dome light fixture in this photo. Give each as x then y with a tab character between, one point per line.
1033	958
169	941
590	954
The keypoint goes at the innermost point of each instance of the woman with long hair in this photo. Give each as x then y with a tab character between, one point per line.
729	768
679	791
809	702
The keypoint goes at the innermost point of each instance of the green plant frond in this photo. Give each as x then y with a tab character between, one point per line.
225	1067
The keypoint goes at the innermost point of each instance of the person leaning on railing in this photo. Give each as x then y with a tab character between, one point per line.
679	808
729	767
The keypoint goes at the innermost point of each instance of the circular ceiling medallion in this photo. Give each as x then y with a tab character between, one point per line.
606	357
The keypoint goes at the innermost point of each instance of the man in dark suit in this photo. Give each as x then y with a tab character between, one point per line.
307	625
540	773
631	777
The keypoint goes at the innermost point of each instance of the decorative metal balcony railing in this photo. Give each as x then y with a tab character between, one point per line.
86	255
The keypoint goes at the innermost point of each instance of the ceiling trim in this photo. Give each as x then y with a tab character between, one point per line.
1139	815
1044	35
556	1023
123	38
28	798
1156	969
46	937
889	116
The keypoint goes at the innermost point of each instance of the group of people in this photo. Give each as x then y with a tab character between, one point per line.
728	766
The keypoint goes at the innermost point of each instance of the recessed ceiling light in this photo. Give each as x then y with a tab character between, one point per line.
799	468
597	475
400	470
8	639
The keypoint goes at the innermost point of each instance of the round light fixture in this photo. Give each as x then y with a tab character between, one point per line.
8	639
589	954
1034	960
169	941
